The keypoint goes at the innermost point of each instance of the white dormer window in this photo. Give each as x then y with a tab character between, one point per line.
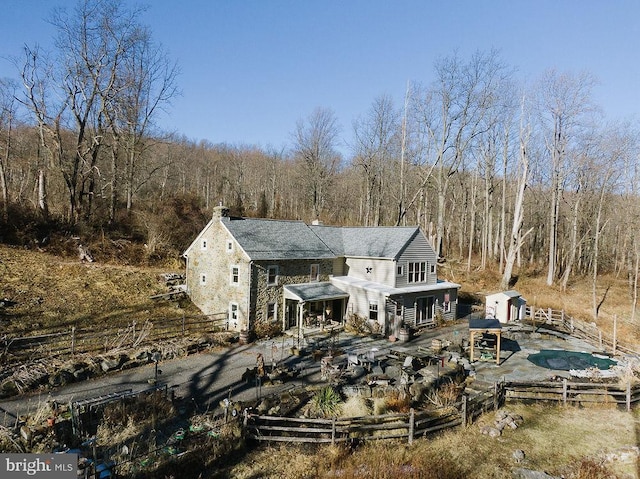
229	248
204	244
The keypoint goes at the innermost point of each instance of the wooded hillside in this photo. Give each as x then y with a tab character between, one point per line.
500	175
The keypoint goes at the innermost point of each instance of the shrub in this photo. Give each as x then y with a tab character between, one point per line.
326	403
267	329
358	324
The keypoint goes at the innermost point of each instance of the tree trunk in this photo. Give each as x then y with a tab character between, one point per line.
573	245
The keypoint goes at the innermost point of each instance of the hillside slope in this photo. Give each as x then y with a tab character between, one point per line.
54	292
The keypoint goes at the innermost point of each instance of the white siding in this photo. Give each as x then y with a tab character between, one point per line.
380	271
359	302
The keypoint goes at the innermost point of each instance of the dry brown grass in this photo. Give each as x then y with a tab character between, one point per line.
57	293
577	301
569	441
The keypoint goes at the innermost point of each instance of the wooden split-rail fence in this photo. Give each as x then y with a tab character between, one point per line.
417	424
581	329
68	342
409	426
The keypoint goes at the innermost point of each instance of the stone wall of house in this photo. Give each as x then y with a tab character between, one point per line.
209	280
289	272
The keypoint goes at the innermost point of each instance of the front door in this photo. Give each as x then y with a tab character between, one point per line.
291	315
424	310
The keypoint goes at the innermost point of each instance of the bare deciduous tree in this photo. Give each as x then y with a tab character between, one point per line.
315	142
7	118
564	103
376	144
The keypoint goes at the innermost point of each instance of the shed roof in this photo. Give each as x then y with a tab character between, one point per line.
508	294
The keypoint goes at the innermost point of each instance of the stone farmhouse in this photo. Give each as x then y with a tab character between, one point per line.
308	276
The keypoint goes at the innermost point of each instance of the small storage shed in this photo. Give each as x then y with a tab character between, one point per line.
505	306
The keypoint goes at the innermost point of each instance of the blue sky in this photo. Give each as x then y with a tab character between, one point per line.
251	69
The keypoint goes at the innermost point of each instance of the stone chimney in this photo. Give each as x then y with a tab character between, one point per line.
220	212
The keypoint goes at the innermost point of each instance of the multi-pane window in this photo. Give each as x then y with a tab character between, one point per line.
399	270
272	275
204	244
373	310
203	279
235	275
417	272
314	273
229	246
271	311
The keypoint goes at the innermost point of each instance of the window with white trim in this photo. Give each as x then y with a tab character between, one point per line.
314	272
417	272
373	310
271	311
272	275
235	274
432	268
204	244
446	303
229	248
203	279
399	269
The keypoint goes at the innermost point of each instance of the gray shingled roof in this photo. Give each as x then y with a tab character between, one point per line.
315	291
264	239
372	242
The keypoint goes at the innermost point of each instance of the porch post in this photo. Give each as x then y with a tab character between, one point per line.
300	315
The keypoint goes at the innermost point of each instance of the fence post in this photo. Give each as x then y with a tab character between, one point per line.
495	396
73	340
333	431
463	410
564	391
411	425
628	395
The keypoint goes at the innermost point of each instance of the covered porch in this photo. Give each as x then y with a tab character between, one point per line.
310	307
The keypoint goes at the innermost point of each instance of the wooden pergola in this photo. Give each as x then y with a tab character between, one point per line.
485	326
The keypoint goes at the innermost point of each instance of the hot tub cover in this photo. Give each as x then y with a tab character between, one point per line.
560	359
